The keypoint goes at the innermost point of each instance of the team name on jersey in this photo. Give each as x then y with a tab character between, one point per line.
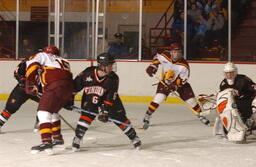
98	90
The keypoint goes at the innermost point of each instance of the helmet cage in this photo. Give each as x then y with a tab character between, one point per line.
230	68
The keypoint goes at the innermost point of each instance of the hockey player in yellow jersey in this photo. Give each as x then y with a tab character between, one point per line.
175	74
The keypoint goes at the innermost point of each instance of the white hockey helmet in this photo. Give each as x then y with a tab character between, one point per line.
230	68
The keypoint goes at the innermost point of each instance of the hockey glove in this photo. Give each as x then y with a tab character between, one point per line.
21	82
31	88
170	86
103	114
151	70
69	105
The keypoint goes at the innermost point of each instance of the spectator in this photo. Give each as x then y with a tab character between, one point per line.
215	26
194	12
197	2
117	48
178	7
26	49
177	31
222	10
198	39
209	6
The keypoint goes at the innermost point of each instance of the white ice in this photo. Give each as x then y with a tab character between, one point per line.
175	139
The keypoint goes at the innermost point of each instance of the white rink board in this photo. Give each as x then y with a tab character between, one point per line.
204	78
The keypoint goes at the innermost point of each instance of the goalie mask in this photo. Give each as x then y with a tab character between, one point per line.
230	72
106	62
176	51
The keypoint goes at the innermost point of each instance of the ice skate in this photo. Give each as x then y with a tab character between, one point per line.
47	147
76	144
146	121
204	120
136	143
58	144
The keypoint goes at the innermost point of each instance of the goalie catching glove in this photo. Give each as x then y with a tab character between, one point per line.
151	70
103	114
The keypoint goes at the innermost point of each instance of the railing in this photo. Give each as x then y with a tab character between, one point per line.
159	37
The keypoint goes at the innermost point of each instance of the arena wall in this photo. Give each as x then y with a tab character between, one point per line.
135	84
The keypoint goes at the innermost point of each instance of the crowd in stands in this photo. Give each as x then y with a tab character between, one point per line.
207	23
207	27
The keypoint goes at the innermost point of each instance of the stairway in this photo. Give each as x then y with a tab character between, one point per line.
244	43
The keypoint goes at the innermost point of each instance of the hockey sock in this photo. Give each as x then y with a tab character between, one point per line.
56	130
195	106
82	126
4	116
45	119
46	132
152	107
131	133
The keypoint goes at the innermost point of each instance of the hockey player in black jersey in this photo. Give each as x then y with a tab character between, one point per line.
18	95
245	93
100	95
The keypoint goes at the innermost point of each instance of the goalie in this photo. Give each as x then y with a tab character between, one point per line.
236	105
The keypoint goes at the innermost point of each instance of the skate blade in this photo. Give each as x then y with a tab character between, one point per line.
138	148
75	149
34	151
59	146
48	151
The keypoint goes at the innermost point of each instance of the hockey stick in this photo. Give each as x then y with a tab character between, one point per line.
66	122
80	110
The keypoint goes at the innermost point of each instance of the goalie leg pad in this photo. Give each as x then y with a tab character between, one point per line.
230	117
218	128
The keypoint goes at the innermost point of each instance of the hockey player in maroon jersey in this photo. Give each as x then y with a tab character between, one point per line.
175	70
57	84
100	95
18	95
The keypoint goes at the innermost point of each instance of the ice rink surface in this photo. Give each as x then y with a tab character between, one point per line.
175	139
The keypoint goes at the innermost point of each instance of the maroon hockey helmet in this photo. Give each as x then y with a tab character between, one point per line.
175	46
51	50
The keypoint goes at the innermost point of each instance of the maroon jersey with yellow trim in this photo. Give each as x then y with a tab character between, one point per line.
51	67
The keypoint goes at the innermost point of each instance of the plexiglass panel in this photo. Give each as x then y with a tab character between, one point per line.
122	28
33	27
7	28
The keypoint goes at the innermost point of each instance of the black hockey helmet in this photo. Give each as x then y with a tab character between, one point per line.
105	59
